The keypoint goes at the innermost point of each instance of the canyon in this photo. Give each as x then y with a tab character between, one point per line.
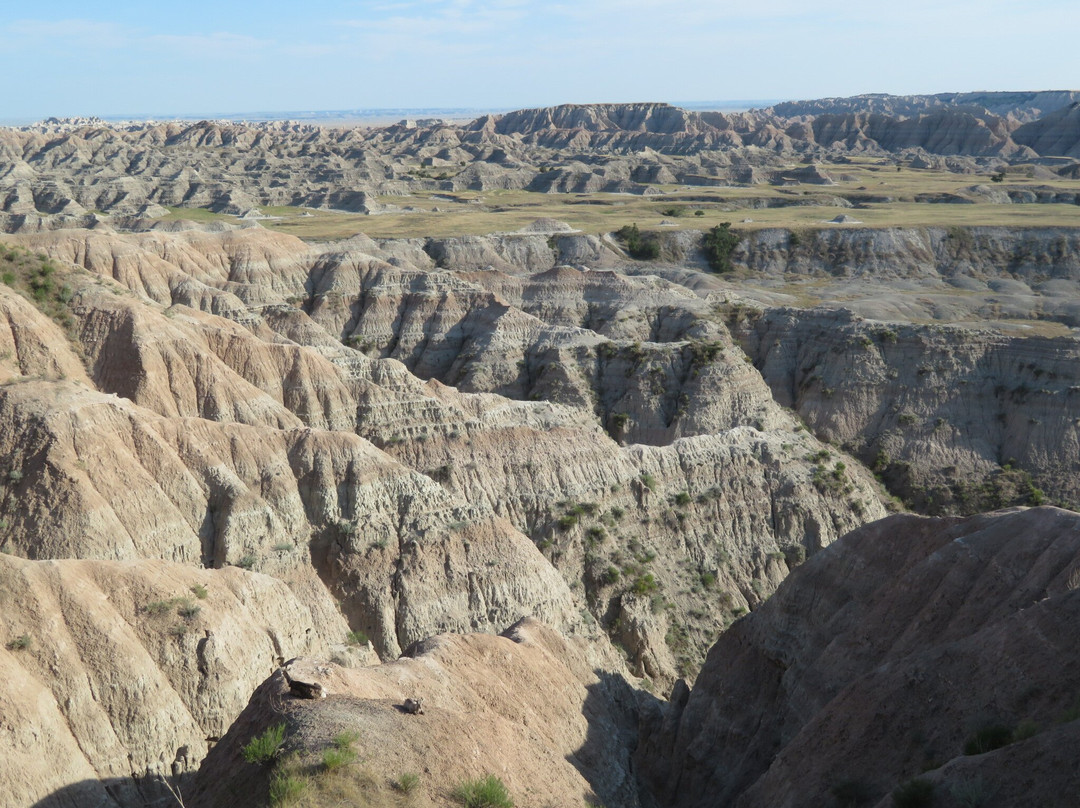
639	532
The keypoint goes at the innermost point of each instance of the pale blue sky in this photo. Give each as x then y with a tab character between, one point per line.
122	57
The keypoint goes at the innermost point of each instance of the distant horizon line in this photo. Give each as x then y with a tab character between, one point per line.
378	113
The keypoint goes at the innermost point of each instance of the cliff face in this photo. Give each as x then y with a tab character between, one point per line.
422	436
878	661
176	406
120	671
946	415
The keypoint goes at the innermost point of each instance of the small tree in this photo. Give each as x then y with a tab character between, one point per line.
719	243
639	247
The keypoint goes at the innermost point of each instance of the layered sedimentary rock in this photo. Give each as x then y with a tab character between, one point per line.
893	654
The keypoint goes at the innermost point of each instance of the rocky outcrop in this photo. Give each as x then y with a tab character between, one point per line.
902	648
78	173
527	705
1022	106
947	416
119	672
1054	135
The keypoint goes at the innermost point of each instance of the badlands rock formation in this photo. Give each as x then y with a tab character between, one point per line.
222	447
939	649
525	706
69	174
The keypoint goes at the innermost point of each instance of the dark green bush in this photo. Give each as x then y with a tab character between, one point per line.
719	243
264	748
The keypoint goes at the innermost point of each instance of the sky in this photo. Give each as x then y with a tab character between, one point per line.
120	57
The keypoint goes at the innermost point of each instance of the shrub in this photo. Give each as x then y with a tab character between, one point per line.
199	591
644	584
356	638
794	554
264	748
970	793
159	606
719	243
20	643
988	738
188	610
285	789
611	574
488	792
699	212
917	793
639	247
682	499
247	562
407	783
648	481
334	757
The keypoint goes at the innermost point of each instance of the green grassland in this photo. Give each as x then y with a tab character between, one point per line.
862	182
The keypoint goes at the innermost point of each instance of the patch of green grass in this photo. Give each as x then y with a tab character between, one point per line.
334	757
286	789
264	748
487	792
356	638
20	643
407	783
160	606
644	584
199	591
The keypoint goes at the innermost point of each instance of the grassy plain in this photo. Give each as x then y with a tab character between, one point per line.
883	197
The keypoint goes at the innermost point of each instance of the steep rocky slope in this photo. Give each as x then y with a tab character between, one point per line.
425	435
118	672
526	707
895	652
952	418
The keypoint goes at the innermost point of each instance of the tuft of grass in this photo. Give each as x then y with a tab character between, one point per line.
988	738
247	562
345	740
407	783
188	610
20	643
917	793
264	748
487	792
356	638
286	789
160	606
334	757
199	591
